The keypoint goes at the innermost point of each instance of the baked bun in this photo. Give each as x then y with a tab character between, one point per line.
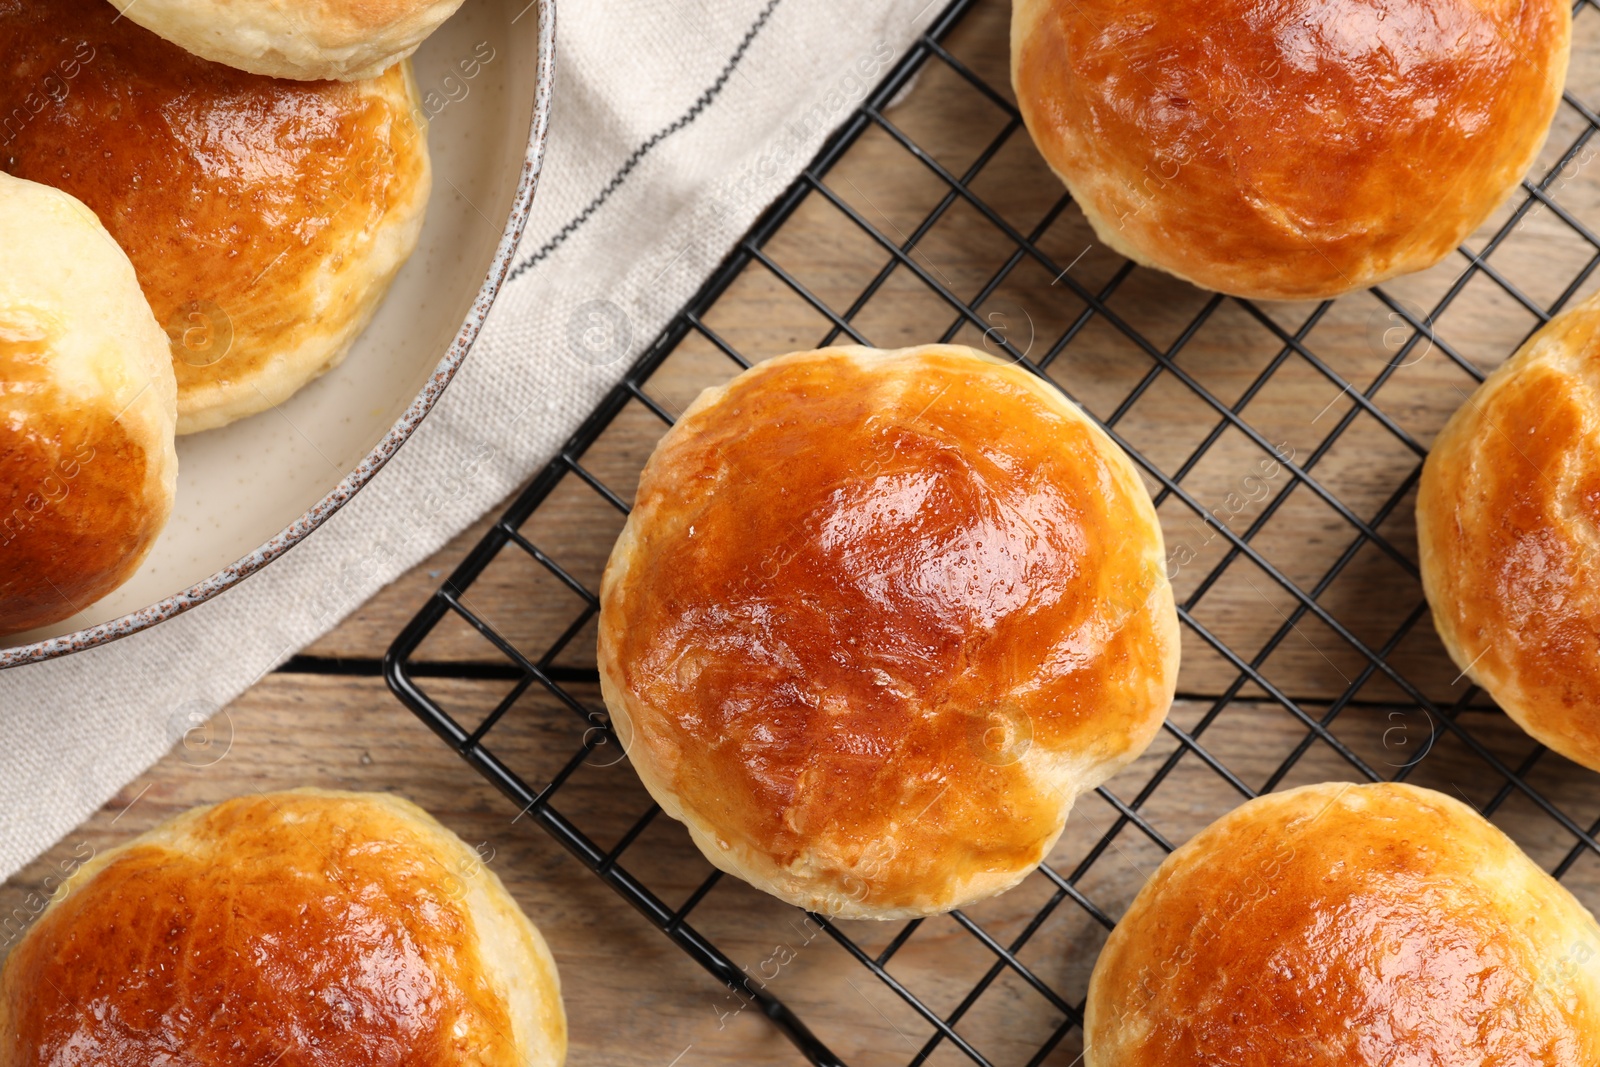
310	927
87	408
1294	150
877	618
1508	523
1345	924
325	39
265	218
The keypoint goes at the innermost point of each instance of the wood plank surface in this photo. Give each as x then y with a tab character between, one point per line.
635	999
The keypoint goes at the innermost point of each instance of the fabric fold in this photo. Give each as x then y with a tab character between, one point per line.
674	125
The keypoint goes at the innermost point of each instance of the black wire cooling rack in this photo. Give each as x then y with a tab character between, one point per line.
1302	578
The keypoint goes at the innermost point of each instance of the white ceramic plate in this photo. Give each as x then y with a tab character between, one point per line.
248	492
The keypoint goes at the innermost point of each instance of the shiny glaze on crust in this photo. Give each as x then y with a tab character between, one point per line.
863	592
295	937
1508	520
1289	149
1358	926
540	37
228	191
74	517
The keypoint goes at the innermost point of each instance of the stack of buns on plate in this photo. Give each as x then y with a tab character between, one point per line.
264	219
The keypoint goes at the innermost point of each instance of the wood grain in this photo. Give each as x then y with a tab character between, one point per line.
632	997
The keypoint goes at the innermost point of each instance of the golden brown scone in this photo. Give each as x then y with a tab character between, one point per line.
1292	150
1357	926
877	618
265	218
87	408
1508	522
297	929
322	39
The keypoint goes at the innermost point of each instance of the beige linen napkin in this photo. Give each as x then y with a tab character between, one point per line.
675	123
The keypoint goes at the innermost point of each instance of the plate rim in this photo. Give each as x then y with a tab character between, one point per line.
399	431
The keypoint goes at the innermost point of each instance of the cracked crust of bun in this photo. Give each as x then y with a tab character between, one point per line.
877	618
1508	528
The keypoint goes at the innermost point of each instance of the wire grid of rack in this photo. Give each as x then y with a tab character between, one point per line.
1378	679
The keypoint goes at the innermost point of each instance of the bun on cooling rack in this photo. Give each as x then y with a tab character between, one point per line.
1294	150
87	466
341	929
265	218
1508	532
325	39
1342	924
877	618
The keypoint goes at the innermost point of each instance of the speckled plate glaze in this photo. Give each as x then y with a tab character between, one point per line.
249	492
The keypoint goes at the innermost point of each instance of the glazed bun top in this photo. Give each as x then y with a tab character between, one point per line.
1292	150
88	471
305	41
304	929
264	218
1508	527
877	618
1366	926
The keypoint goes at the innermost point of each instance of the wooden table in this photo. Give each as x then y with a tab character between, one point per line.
632	998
